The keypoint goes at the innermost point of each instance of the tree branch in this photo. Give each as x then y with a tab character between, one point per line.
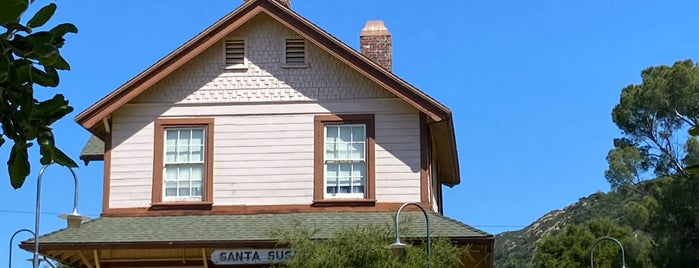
669	152
683	118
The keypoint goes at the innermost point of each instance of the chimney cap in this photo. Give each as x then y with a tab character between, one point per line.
374	28
286	3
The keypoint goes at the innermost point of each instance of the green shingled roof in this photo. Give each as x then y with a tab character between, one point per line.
211	228
93	150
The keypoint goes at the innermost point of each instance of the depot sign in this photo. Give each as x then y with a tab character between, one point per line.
250	256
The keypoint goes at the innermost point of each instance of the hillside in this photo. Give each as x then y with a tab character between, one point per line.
515	248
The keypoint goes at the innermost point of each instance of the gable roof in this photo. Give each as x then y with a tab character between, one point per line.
95	118
91	117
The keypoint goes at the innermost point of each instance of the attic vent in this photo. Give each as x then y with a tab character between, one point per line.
295	51
235	53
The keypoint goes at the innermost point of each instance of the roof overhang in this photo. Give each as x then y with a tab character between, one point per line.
193	238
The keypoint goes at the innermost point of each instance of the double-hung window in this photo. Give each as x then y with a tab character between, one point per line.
344	159
183	165
183	170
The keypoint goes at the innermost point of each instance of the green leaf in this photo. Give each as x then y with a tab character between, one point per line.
19	72
693	169
39	38
49	78
46	146
20	46
62	159
63	28
18	164
47	54
49	111
694	131
2	140
42	16
61	63
11	10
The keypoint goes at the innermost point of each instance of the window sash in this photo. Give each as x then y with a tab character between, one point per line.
345	165
183	165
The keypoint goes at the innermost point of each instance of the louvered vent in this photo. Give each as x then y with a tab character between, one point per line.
295	51
235	52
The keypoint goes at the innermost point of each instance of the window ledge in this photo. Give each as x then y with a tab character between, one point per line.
344	202
240	67
181	206
295	66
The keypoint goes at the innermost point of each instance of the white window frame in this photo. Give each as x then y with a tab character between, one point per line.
202	186
363	161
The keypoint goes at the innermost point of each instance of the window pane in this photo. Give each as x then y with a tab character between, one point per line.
359	170
185	136
331	133
330	151
170	173
345	133
197	153
197	172
171	137
344	183
331	172
170	188
182	154
184	191
196	188
358	189
358	133
345	170
358	151
197	137
183	174
343	151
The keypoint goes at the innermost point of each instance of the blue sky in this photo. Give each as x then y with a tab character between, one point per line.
531	85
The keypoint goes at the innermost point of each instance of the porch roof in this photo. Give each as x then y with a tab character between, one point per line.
213	229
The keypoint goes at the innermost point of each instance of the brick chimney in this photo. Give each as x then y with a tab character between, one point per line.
375	43
286	3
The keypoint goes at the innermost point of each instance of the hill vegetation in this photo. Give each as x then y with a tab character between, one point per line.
516	248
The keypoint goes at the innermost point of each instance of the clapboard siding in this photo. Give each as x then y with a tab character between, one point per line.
262	156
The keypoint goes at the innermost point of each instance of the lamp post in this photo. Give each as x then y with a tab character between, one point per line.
12	238
397	247
9	257
592	251
72	218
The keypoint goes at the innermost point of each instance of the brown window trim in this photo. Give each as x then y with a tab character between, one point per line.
318	147
207	197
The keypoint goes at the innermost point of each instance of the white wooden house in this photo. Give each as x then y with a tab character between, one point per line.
261	119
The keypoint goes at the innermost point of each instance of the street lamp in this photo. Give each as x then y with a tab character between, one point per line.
397	247
592	251
9	257
74	218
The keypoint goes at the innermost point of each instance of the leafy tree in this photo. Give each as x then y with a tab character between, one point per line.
363	247
649	115
29	58
654	117
571	248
